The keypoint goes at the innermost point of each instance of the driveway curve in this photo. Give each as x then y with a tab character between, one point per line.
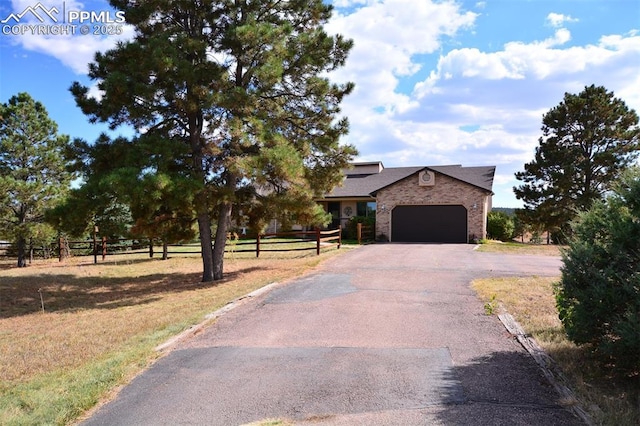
386	334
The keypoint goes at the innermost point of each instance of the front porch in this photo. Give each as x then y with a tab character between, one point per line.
342	210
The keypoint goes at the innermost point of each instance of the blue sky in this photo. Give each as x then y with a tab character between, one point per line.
437	82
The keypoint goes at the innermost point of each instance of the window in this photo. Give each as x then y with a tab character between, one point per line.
366	208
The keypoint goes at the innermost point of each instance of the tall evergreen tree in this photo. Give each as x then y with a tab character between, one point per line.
242	84
158	192
141	182
587	141
98	201
33	177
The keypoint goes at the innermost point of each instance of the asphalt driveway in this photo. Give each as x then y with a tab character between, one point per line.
386	334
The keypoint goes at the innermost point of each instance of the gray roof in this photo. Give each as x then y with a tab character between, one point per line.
481	176
366	185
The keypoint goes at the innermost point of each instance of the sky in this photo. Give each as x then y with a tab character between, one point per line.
436	82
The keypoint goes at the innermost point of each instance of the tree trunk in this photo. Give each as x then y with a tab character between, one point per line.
221	240
202	198
165	250
22	262
204	227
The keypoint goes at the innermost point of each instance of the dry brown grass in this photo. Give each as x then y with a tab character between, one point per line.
92	312
91	309
610	400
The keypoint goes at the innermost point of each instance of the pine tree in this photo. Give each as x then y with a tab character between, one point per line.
598	297
587	141
240	83
131	188
33	177
96	203
159	194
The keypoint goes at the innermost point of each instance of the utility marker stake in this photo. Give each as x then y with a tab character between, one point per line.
41	299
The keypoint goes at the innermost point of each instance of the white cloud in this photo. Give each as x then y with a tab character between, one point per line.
73	50
535	61
95	92
517	61
387	35
557	20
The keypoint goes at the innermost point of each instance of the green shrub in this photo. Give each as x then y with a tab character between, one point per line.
500	226
598	297
351	230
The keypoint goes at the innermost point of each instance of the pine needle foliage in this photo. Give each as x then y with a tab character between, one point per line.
243	85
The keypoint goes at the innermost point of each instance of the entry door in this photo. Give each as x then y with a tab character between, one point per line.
333	207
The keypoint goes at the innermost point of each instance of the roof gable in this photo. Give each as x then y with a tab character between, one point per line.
366	185
482	176
358	185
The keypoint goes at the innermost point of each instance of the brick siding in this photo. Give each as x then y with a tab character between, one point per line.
445	191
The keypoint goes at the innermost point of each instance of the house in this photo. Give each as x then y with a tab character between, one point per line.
440	204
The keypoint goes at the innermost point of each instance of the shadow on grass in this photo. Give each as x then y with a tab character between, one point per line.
63	292
505	388
7	263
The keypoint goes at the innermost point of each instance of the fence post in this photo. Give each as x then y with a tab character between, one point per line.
104	247
151	247
359	233
95	245
339	237
318	241
258	245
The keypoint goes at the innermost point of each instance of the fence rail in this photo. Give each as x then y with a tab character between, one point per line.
101	247
4	249
365	233
8	250
318	236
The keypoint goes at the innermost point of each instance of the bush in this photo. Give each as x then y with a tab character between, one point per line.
351	231
598	297
500	226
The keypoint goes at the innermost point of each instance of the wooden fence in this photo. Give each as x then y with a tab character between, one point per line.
4	248
276	242
8	250
365	233
319	237
101	247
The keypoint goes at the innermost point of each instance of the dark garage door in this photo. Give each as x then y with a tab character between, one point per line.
429	224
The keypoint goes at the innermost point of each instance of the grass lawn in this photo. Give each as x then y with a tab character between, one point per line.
610	400
513	247
71	332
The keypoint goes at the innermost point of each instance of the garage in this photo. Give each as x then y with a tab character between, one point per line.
429	224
